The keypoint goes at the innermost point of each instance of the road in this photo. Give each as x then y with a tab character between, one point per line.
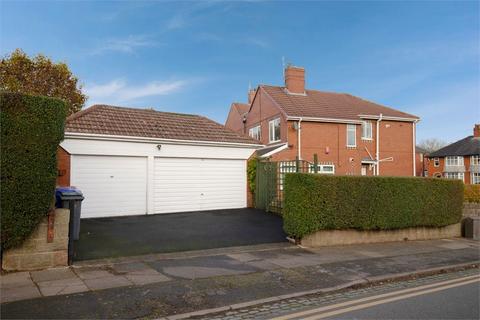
457	299
453	295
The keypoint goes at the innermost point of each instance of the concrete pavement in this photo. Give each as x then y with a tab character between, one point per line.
165	284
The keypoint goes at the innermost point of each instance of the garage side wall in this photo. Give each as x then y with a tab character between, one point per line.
63	167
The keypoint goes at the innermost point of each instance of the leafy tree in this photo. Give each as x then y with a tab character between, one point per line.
431	145
40	76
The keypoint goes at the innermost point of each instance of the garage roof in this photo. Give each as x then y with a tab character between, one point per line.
121	121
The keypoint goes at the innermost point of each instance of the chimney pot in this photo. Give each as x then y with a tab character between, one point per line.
476	130
295	79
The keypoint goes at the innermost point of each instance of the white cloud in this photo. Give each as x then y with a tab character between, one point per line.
118	91
176	22
124	45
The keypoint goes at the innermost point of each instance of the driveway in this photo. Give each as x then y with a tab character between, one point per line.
161	233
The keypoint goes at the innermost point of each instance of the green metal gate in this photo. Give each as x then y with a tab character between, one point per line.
269	181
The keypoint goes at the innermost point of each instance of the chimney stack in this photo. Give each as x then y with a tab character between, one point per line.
295	79
476	130
251	95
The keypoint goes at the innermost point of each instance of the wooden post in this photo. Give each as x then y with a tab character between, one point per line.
315	163
297	164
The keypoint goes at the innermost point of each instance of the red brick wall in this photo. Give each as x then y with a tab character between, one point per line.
63	167
328	141
432	170
234	121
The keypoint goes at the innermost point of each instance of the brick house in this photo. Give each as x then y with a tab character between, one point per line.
350	135
459	160
421	162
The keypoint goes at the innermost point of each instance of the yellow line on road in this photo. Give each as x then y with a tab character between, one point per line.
374	303
376	297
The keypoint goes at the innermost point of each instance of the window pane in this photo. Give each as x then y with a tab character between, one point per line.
351	135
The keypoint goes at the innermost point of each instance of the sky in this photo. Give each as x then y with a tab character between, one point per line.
199	57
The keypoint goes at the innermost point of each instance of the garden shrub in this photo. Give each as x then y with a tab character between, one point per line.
31	130
472	193
322	202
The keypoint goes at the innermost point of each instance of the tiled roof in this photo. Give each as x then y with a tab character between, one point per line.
241	108
465	147
112	120
320	104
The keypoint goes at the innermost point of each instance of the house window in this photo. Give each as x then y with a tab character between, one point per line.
475	160
475	178
323	168
255	132
274	130
454	161
367	130
351	135
436	162
454	175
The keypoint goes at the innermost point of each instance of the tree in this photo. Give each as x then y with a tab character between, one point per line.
431	145
40	76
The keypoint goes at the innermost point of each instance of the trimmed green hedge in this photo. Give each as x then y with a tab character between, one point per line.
31	129
472	193
321	202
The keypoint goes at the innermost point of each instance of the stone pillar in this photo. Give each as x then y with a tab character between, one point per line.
37	252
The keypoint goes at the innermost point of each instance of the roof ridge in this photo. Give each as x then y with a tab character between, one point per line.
81	113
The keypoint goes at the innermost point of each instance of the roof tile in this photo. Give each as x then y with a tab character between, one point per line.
113	120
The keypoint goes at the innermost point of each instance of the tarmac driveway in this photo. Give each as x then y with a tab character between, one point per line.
161	233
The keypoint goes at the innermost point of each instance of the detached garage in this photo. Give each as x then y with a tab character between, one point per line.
141	161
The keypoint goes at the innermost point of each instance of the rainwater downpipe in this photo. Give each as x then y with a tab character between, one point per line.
377	151
299	138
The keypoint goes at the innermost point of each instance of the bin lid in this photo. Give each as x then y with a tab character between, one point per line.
68	191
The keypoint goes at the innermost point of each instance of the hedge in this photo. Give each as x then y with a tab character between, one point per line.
321	202
472	193
31	129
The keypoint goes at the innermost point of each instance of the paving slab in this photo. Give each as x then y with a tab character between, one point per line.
107	282
19	293
63	286
16	279
92	273
52	274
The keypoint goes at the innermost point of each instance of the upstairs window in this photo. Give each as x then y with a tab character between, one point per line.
436	162
351	135
454	161
274	130
367	130
255	132
475	160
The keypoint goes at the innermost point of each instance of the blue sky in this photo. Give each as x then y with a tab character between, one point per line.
198	57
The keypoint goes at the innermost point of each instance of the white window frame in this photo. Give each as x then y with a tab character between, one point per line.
271	130
321	168
367	130
436	162
453	161
475	160
352	128
255	132
455	175
475	178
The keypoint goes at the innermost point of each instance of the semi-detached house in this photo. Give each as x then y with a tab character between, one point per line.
350	135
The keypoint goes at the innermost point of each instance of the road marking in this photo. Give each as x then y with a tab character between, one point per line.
374	303
302	314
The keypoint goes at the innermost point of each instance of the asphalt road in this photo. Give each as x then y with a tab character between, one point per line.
460	302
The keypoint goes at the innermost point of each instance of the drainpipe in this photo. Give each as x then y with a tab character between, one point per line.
377	151
299	138
414	140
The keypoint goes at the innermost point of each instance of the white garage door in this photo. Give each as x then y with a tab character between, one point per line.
112	186
198	184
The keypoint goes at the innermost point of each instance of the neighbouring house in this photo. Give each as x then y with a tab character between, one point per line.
421	161
459	160
350	135
140	161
